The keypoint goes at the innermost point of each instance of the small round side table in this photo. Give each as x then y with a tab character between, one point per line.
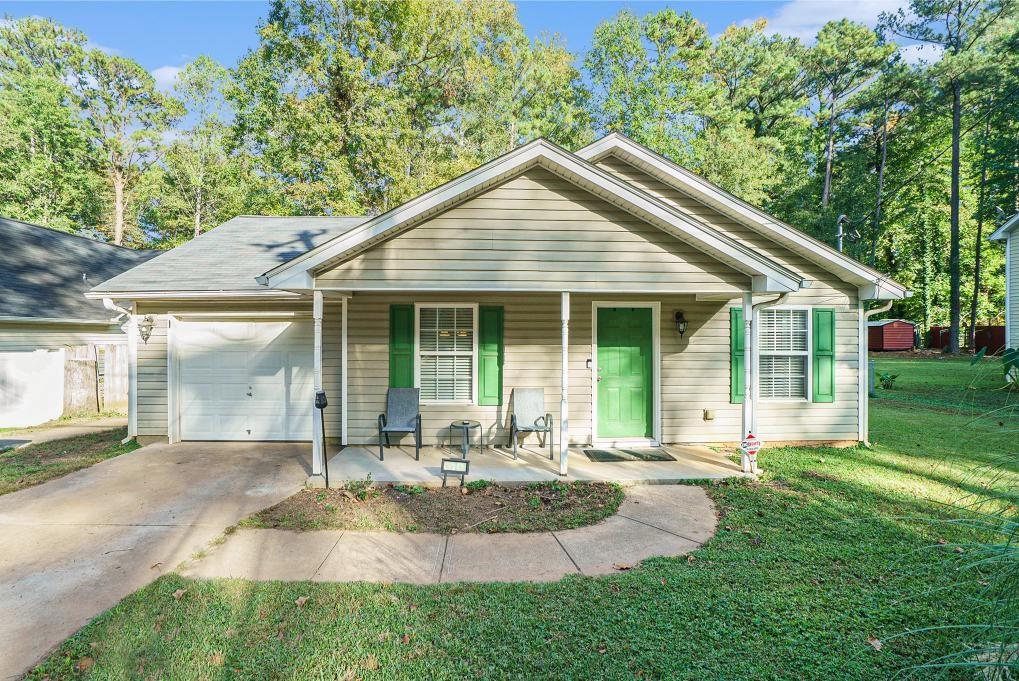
465	426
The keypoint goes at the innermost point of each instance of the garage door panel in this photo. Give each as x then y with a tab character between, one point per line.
245	380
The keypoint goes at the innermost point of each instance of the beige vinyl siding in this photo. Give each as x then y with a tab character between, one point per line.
782	420
536	229
22	337
152	360
1012	295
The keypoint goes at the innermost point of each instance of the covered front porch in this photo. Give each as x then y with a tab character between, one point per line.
691	462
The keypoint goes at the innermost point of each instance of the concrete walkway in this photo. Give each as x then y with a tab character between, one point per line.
654	520
73	547
60	430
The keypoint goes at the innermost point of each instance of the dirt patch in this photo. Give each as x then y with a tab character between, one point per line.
479	507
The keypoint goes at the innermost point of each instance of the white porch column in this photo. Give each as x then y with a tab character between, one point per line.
317	446
748	363
755	362
132	374
564	400
343	374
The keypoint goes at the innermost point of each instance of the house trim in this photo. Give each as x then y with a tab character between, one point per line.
767	275
656	362
714	196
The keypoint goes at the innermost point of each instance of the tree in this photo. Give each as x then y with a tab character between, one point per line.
128	117
199	182
956	26
47	171
845	57
648	74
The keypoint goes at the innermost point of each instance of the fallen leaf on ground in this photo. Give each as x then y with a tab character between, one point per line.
84	664
301	601
690	559
622	567
178	593
405	639
154	566
942	541
875	643
959	549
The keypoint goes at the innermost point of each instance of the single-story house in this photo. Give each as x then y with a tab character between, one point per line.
652	307
44	275
1007	234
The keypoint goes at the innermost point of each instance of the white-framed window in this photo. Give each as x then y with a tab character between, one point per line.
783	344
447	352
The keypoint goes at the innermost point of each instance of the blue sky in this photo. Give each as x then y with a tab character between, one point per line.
163	36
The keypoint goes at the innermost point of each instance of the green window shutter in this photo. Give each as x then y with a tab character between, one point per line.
490	354
823	349
401	346
736	363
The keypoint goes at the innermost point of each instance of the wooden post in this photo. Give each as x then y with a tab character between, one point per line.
564	400
317	446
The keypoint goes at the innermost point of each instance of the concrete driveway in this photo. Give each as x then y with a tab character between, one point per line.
74	547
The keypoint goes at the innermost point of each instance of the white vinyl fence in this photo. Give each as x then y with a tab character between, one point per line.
43	385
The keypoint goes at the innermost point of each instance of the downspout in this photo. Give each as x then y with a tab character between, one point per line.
755	356
864	370
130	327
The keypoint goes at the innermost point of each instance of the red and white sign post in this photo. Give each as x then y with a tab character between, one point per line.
749	448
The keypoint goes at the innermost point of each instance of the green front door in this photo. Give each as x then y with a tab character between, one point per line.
624	372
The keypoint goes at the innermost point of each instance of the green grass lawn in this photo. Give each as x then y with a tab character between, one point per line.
815	572
35	464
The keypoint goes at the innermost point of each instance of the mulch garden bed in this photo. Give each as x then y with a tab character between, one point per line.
480	506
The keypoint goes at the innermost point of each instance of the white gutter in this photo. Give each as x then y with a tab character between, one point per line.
56	320
863	373
167	295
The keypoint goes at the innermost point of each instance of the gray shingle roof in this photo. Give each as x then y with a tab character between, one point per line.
41	271
229	257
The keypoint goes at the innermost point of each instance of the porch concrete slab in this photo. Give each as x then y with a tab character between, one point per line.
384	557
528	557
619	542
684	510
692	462
267	555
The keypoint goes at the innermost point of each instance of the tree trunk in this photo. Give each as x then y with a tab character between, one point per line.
980	237
882	162
198	214
829	151
118	209
953	257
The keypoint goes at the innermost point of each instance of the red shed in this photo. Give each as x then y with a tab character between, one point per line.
891	334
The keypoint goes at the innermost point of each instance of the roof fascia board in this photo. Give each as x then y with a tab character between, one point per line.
1001	233
190	295
558	160
54	320
749	215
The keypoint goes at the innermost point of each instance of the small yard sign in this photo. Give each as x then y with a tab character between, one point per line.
455	467
750	446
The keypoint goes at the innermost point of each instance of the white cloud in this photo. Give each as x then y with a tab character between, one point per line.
93	45
804	18
166	76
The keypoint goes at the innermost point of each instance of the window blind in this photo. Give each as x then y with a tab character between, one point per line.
784	346
446	351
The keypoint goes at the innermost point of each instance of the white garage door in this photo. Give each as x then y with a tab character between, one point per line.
245	380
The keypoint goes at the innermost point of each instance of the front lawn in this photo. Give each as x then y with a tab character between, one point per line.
481	506
34	464
815	572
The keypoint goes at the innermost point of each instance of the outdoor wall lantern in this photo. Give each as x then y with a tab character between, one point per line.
681	323
145	327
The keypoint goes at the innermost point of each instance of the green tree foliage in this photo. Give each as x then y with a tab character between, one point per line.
357	106
199	183
45	157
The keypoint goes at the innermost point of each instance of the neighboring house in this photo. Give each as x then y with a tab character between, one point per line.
1007	234
610	277
43	311
886	335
